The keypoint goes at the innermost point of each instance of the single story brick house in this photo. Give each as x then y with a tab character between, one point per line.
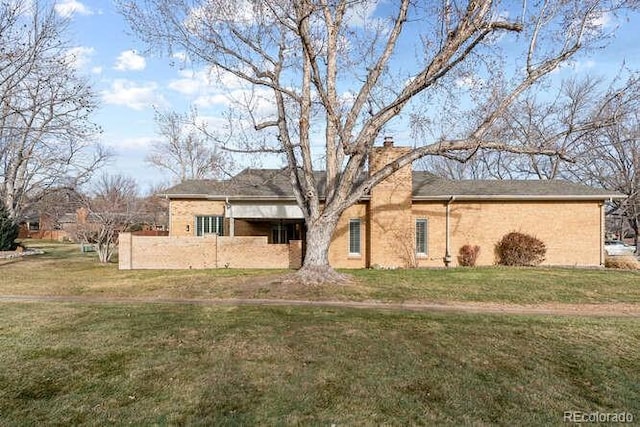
412	219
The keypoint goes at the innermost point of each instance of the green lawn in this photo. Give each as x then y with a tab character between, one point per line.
181	364
75	364
63	270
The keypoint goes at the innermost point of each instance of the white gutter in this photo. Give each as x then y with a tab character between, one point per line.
459	197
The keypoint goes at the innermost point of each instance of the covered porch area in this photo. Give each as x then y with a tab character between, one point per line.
279	222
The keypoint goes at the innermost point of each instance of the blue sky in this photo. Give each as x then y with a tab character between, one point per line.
130	81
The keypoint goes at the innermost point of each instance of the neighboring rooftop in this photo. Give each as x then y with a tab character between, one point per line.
274	183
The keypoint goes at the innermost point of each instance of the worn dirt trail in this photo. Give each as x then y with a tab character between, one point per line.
548	309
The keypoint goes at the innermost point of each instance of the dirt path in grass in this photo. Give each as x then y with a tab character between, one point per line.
549	309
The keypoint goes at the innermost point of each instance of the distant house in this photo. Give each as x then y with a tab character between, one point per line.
410	219
62	215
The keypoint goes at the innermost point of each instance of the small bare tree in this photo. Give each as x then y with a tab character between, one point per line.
46	137
184	151
112	207
154	209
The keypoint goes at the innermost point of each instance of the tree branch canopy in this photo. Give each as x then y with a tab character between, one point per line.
46	136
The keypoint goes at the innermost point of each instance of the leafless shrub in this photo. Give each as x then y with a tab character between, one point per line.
519	249
468	255
624	262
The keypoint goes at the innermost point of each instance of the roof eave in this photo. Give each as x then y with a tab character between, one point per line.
184	196
507	197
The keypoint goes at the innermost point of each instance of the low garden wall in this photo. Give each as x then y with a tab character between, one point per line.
177	252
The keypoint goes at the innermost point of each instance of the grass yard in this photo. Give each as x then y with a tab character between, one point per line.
63	270
180	364
82	364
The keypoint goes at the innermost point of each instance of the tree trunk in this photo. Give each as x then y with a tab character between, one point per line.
315	267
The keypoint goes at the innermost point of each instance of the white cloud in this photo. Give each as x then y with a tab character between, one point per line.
360	14
600	20
129	60
575	66
239	11
67	8
582	65
141	142
210	90
133	95
205	82
191	82
469	81
79	57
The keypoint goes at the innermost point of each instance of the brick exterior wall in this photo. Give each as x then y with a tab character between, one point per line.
339	256
571	230
251	252
181	252
182	213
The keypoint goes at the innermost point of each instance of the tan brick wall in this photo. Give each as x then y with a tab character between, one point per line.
168	252
251	252
183	212
295	254
570	230
339	250
124	251
185	252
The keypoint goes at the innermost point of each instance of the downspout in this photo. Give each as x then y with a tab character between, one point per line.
170	225
229	209
447	253
602	232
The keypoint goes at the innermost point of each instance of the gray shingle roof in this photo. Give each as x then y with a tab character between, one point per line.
426	185
274	183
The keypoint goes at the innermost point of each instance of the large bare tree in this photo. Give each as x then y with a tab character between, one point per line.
46	137
337	72
183	150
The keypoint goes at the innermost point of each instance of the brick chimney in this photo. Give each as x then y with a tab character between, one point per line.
390	227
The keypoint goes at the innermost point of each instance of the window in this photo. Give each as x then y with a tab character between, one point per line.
209	225
354	237
421	236
279	234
